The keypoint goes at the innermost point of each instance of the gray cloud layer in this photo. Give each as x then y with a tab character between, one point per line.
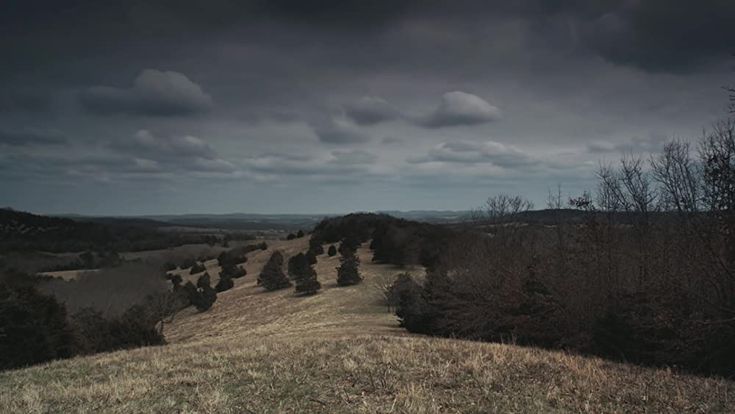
342	104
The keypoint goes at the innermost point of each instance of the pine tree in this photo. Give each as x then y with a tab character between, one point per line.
348	273
303	274
202	296
272	276
315	245
197	268
225	283
349	244
332	251
311	257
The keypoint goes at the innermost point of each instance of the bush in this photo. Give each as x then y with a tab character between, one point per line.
300	234
332	251
176	281
231	258
315	245
136	327
33	328
349	245
202	296
413	310
187	263
272	276
224	283
348	273
290	236
311	257
197	268
303	274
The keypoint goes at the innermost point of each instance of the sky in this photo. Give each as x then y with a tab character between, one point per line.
291	106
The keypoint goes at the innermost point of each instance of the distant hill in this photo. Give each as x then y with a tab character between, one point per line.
21	231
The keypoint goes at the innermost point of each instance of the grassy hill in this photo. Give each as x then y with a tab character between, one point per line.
341	351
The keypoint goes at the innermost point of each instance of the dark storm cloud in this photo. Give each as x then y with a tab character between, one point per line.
23	100
154	92
31	137
656	35
662	35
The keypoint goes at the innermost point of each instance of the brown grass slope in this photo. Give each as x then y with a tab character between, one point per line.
340	351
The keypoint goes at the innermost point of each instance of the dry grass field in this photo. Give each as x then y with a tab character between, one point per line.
340	351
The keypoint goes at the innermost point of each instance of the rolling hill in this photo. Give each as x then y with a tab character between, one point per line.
341	351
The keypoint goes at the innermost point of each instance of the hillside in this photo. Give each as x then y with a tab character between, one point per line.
340	351
26	232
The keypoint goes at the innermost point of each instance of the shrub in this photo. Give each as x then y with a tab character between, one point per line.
187	263
176	281
413	310
272	276
136	327
224	283
202	296
33	328
197	268
348	273
311	257
290	236
300	234
349	244
315	245
303	274
332	251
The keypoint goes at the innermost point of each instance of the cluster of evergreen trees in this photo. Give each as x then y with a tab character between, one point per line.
301	272
229	264
202	295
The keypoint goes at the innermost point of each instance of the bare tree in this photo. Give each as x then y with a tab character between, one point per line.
504	206
717	155
677	175
609	193
639	193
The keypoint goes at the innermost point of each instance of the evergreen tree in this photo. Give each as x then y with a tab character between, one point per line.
303	274
272	276
332	251
348	273
197	268
315	245
311	257
300	234
225	283
349	244
202	296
